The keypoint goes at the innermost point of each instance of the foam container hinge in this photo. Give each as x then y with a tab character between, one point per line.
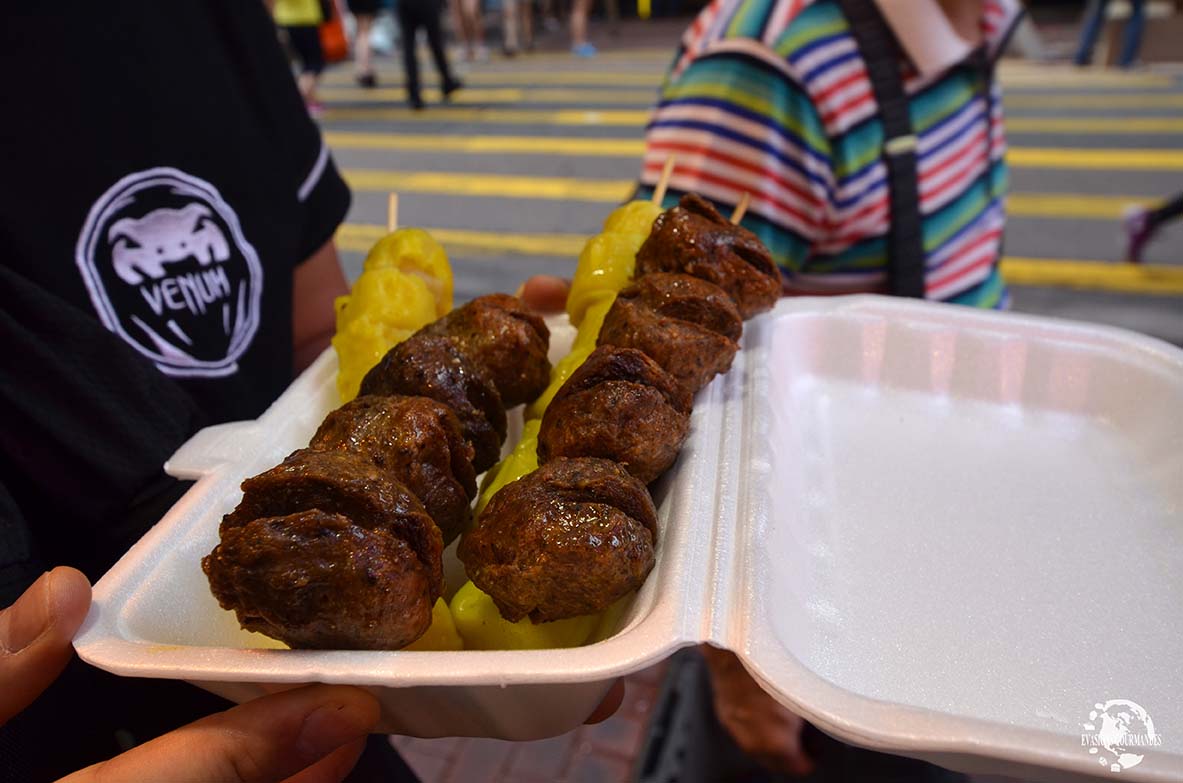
929	530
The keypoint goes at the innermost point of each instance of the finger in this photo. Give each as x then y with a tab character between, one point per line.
609	705
545	293
263	741
35	635
333	767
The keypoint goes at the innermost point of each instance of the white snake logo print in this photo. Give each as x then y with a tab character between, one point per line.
169	271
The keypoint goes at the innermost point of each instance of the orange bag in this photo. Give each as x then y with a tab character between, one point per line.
333	42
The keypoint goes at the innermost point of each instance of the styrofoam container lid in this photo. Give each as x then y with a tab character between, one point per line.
951	534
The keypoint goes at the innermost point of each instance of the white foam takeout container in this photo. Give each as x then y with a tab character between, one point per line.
930	530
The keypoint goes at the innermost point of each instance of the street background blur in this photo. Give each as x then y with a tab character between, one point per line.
523	165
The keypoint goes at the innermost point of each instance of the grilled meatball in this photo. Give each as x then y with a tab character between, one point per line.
687	325
619	405
419	441
505	336
428	366
316	580
340	482
568	539
694	238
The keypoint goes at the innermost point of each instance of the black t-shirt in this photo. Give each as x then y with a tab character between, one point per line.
162	181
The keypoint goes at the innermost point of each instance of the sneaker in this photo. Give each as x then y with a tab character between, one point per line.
584	50
416	103
1137	233
367	80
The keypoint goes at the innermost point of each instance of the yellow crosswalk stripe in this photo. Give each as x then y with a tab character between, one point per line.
647	97
495	185
609	117
613	191
520	145
359	238
634	118
1018	157
1051	273
1074	125
1071	205
1144	100
1094	275
1014	76
494	95
1097	159
603	78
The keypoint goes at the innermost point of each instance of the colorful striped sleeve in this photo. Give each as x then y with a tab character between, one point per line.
736	120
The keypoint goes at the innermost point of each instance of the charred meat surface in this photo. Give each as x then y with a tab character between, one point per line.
316	580
427	366
508	339
687	325
568	539
418	441
619	405
348	484
694	238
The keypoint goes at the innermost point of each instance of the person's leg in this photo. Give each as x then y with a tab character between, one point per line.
463	29
509	27
435	41
409	24
472	10
1142	224
1094	21
526	13
1169	210
1133	33
305	40
579	43
365	55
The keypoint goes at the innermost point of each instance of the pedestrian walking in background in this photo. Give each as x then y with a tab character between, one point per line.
300	20
425	14
1142	224
580	46
1094	22
469	28
364	12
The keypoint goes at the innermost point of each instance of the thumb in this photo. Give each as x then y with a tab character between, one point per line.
262	741
35	635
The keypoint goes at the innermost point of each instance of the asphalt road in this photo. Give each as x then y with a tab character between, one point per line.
534	153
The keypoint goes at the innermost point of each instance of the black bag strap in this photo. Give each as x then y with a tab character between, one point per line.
881	53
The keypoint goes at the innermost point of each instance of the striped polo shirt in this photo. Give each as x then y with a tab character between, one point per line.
772	98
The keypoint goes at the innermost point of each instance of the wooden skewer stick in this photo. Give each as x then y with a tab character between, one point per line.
741	208
392	213
664	181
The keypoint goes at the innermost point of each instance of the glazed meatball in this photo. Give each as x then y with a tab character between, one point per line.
509	340
429	366
694	238
340	482
687	325
419	441
316	580
568	539
619	405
